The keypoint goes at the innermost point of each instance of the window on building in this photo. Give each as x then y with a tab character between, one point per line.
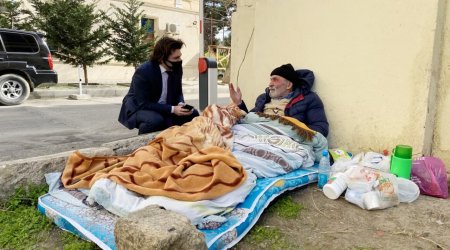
20	43
149	23
178	3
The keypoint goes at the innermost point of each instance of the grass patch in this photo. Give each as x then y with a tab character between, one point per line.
270	237
73	242
20	222
286	208
20	228
23	227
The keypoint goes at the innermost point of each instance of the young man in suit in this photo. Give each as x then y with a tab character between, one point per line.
155	99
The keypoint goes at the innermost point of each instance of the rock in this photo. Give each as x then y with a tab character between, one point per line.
156	228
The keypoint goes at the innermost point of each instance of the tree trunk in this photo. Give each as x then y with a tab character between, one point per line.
86	82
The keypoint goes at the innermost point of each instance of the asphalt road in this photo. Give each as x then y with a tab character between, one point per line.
41	127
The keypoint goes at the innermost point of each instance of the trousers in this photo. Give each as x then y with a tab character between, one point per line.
150	121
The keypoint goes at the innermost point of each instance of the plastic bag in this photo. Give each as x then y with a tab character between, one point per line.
343	164
408	191
362	179
376	161
371	189
430	174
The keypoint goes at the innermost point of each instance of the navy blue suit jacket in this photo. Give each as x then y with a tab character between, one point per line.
145	91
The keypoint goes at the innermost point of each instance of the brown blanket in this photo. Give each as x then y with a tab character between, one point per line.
190	162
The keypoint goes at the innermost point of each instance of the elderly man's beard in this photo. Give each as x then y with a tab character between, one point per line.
276	93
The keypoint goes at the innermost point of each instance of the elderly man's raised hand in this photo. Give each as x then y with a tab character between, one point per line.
235	94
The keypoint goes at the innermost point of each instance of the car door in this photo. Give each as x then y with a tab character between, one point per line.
3	55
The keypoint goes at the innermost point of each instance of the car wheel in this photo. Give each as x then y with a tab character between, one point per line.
14	89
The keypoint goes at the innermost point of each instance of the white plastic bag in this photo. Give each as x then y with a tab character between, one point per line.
354	197
362	179
372	189
343	164
376	161
408	191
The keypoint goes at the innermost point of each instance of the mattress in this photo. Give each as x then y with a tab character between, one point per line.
97	224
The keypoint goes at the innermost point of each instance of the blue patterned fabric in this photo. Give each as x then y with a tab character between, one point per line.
97	224
246	214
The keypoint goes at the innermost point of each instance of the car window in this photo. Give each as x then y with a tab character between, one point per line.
15	42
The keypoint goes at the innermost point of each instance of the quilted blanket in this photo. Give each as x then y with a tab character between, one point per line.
262	124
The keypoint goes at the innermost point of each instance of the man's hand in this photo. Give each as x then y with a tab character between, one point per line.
235	95
180	111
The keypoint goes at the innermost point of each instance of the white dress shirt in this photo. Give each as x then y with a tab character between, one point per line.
165	78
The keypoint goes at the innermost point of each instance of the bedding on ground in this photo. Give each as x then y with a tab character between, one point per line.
219	174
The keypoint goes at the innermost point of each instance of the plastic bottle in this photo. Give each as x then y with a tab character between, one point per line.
324	169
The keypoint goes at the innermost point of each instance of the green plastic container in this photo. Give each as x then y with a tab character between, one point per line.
401	167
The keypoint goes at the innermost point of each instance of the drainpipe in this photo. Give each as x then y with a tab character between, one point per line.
436	68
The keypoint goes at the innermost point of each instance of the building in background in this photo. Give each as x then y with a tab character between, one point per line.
177	18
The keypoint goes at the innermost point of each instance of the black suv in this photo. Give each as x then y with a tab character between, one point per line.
25	62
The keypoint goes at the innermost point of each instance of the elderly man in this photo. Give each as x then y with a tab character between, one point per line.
289	93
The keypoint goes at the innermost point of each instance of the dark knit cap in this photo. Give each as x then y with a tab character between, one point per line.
286	71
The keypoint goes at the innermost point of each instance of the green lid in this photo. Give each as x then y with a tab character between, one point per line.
403	151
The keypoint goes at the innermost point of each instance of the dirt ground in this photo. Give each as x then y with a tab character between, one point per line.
338	224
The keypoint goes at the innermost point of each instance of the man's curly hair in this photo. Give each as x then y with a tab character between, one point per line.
164	47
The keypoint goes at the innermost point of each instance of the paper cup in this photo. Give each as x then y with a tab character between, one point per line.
371	200
335	186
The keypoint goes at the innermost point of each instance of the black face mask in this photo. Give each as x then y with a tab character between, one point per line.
175	65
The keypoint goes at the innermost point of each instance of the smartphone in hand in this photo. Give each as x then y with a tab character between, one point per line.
188	107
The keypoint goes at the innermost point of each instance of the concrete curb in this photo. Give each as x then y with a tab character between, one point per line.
32	170
14	174
107	91
62	93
